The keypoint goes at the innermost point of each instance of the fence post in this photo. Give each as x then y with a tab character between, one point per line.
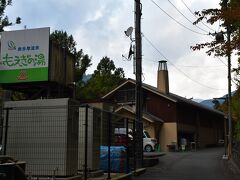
109	145
134	147
127	144
6	131
86	143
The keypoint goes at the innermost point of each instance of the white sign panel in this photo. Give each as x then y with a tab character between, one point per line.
24	55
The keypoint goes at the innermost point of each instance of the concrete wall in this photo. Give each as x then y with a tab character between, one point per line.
168	134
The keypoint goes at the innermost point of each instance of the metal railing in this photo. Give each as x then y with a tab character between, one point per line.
62	141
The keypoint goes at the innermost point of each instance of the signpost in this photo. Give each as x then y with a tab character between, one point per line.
24	56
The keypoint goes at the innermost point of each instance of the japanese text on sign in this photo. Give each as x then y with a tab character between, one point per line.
23	60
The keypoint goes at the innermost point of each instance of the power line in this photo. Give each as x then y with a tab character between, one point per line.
222	61
227	66
196	16
201	66
186	17
176	20
203	85
191	66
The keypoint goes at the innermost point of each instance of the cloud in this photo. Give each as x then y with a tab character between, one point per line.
98	27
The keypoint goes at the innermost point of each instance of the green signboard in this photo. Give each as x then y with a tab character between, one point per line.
24	56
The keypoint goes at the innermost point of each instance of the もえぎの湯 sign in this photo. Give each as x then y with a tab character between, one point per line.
24	55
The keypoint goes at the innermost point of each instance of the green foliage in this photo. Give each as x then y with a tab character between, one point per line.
235	107
105	78
4	21
237	73
1	96
236	115
236	132
64	40
83	61
17	96
227	15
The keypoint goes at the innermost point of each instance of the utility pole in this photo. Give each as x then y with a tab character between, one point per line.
138	92
225	6
229	94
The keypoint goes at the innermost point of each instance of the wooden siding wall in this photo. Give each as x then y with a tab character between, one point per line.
160	107
186	114
58	66
189	115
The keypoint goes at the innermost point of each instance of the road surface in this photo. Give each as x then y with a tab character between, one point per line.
204	164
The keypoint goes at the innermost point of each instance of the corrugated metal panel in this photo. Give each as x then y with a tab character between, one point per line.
39	132
93	148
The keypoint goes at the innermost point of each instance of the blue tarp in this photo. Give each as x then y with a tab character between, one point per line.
117	158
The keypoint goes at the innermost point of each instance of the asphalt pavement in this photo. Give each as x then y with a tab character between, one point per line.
206	164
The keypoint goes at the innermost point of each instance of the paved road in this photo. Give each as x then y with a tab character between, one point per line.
205	164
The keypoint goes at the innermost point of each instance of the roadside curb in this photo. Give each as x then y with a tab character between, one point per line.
139	172
236	168
123	177
128	176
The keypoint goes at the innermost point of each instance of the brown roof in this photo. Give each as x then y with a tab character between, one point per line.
172	97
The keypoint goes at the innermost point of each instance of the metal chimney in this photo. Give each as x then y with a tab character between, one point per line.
162	78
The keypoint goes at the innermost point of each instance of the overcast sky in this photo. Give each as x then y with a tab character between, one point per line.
98	27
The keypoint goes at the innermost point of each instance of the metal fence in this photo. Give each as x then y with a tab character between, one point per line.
68	140
236	153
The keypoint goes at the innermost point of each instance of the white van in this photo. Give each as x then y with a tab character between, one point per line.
149	143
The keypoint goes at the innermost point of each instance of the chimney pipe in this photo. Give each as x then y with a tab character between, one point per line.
162	78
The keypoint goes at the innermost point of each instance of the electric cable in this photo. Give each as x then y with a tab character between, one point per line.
176	20
196	16
203	85
186	17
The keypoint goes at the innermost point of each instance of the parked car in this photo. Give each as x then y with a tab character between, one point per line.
149	144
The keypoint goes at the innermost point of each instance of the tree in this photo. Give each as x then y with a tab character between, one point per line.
83	61
235	113
4	21
64	40
229	17
104	79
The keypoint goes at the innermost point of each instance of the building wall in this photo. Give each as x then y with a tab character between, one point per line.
161	107
168	134
203	133
206	137
101	105
201	126
150	128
